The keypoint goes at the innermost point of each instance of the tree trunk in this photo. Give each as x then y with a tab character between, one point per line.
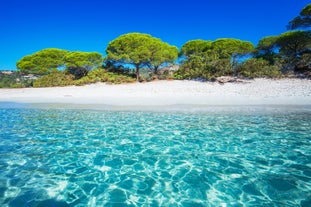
137	73
156	70
234	68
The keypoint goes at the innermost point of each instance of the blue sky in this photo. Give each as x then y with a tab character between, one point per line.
89	25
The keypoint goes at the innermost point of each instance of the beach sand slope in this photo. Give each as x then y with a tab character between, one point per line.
163	93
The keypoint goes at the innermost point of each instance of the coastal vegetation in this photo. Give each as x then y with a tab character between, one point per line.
42	62
141	50
10	79
141	57
59	78
303	20
57	67
207	59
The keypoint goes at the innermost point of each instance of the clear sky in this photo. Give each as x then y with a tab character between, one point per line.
89	25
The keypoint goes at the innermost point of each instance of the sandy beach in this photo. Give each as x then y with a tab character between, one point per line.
165	93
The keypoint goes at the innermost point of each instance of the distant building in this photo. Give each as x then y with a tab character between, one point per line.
7	72
20	76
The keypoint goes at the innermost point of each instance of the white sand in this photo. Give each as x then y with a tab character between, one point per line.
164	93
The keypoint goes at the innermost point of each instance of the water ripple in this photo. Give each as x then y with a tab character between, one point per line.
63	157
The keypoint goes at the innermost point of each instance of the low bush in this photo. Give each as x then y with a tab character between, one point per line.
100	75
14	80
258	68
59	78
56	78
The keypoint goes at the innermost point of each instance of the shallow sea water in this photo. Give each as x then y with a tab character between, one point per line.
233	157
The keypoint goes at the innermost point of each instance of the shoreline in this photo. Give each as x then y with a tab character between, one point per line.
257	92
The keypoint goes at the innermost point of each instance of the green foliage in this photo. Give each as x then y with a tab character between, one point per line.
303	65
56	78
266	49
306	11
196	47
165	75
161	53
303	20
140	50
80	63
61	78
196	67
258	68
48	60
231	48
267	44
292	45
132	48
206	59
9	81
193	68
14	80
287	51
305	61
42	62
100	75
221	67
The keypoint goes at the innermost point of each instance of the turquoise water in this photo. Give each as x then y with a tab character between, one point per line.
232	157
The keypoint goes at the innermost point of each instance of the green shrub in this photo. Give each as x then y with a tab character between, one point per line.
220	67
197	67
56	78
59	78
14	80
165	75
258	68
100	75
192	68
7	81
